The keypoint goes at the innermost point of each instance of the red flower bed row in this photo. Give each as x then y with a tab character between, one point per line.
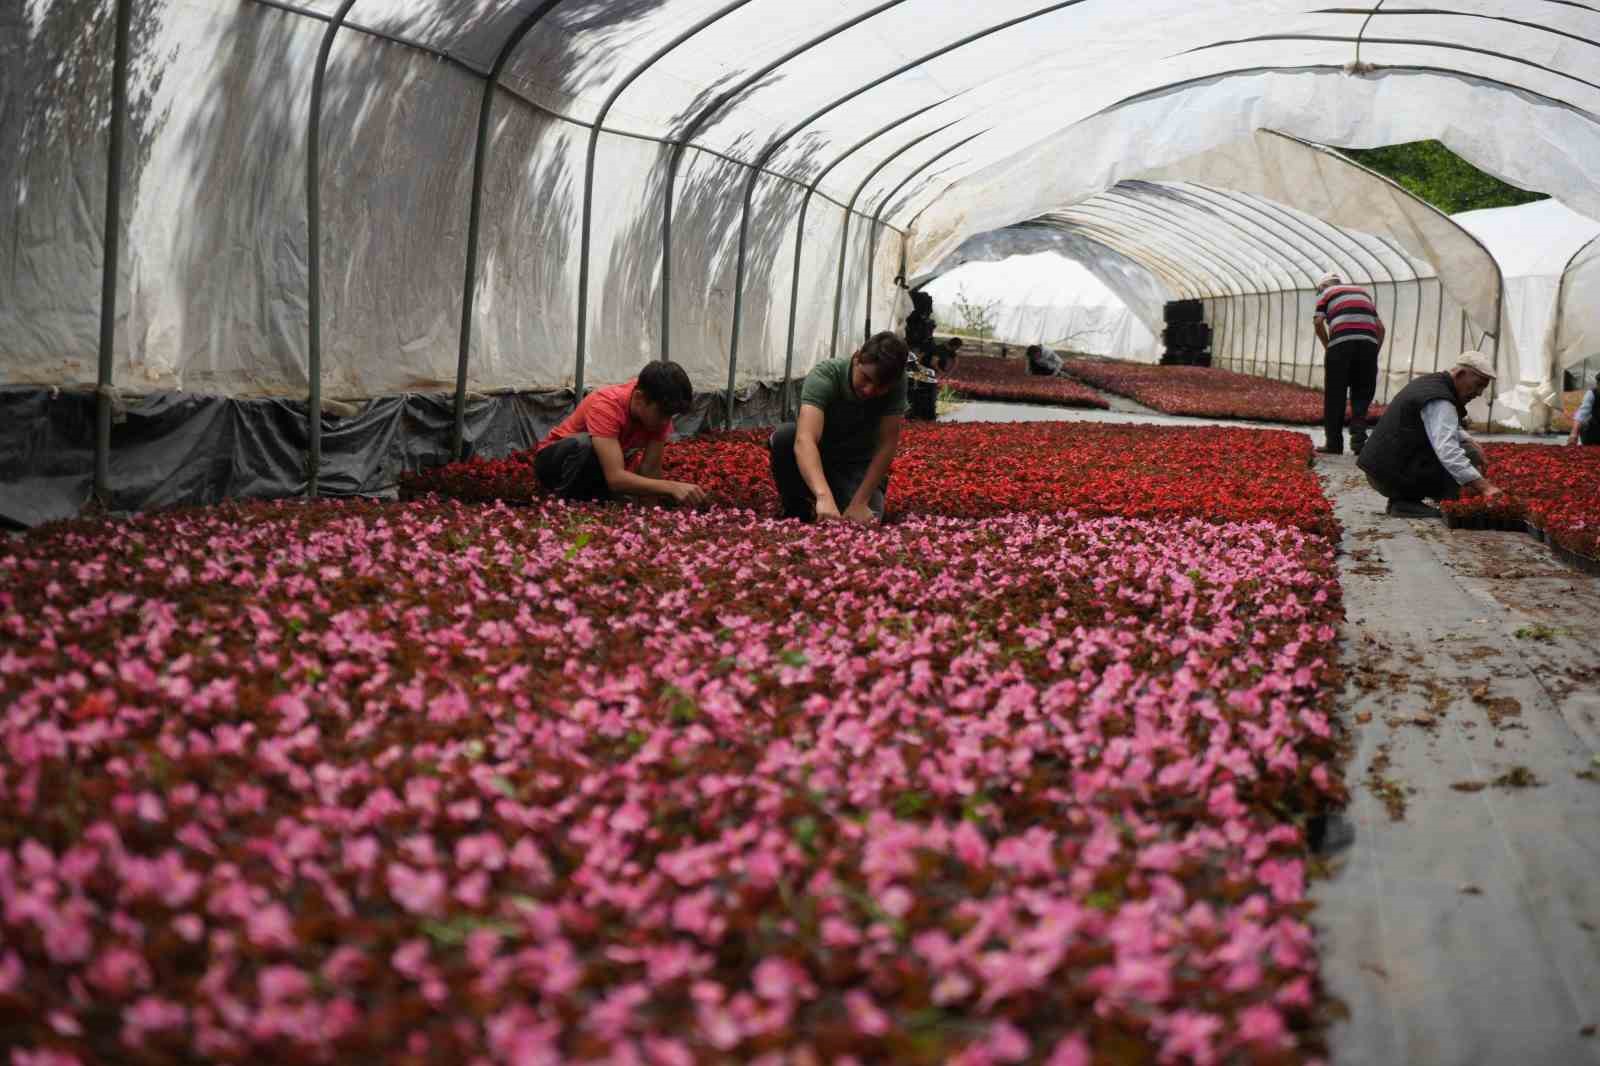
975	469
1206	392
987	377
428	783
1555	488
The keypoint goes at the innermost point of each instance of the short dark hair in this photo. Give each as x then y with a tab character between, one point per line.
954	343
1034	349
887	352
667	386
921	301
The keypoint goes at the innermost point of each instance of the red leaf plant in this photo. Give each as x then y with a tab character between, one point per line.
974	470
1556	488
989	377
1206	392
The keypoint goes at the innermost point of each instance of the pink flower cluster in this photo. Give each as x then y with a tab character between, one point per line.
439	783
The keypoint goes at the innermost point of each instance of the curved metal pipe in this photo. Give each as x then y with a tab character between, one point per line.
314	253
588	179
800	231
111	246
1246	229
697	123
1144	205
778	142
872	242
1279	234
844	240
480	164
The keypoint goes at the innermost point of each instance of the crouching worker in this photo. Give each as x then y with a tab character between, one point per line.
611	444
1420	449
834	462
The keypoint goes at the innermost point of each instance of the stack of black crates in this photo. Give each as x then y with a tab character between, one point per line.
1187	335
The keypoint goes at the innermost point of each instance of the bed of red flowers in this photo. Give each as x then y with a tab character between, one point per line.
431	782
988	377
1205	392
975	469
1556	490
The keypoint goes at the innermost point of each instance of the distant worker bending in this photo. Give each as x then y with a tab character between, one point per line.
1585	426
1351	333
1420	448
833	463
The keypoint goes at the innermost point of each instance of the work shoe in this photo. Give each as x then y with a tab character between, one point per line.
1357	442
1328	450
1411	509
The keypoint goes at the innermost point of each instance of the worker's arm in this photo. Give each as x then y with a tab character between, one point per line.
622	481
1321	325
650	464
1444	434
808	457
877	470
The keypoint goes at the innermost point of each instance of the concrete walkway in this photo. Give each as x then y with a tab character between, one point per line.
1459	917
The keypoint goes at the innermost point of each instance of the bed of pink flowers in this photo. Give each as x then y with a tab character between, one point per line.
438	783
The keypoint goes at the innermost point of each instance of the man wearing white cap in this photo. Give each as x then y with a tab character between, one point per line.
1351	333
1419	448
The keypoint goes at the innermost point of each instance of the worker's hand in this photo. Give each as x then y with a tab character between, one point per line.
686	493
827	510
860	514
1491	490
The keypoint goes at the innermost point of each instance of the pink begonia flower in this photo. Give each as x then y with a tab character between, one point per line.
1190	1035
951	988
897	901
1264	1025
190	927
44	1057
473	890
67	936
276	984
780	980
629	818
346	965
1007	1043
1286	879
1070	1050
149	1015
868	1019
11	973
418	892
666	1051
270	927
63	1023
838	933
118	971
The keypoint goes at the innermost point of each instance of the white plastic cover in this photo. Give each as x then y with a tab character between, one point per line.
942	119
1045	298
1535	245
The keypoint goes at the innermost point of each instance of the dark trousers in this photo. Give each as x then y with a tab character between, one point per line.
844	478
1443	487
1350	370
570	468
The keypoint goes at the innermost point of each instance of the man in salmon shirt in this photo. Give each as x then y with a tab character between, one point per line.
611	444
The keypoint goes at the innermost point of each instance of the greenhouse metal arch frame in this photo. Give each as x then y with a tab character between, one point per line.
338	21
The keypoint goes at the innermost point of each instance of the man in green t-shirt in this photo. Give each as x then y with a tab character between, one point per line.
833	463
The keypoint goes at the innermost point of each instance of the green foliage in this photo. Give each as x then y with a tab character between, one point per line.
1430	170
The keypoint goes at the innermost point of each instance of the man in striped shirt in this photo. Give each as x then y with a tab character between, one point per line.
1351	333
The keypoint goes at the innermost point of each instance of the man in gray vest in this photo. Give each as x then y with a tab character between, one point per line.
1419	448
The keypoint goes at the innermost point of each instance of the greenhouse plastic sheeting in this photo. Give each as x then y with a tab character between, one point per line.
1046	298
1535	244
937	119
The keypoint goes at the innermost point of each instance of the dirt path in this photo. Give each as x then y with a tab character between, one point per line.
1461	920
